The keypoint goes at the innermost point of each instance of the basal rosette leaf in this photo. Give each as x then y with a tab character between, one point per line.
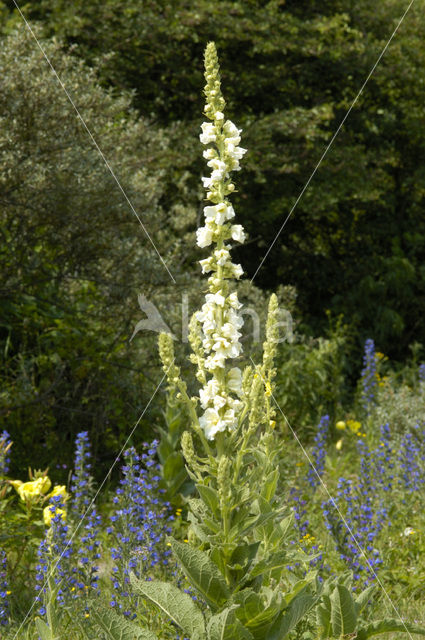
174	603
288	620
257	611
119	628
202	573
226	626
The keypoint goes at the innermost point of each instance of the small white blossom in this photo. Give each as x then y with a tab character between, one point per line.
209	153
211	423
237	233
206	265
233	301
234	380
237	271
208	133
204	236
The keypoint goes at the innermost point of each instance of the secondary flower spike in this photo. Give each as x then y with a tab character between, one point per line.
219	321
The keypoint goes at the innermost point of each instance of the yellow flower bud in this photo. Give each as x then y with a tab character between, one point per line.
338	445
340	425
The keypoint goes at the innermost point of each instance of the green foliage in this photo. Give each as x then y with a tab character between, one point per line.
312	377
72	256
174	604
292	70
118	628
174	474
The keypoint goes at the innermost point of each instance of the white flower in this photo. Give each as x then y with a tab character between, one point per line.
232	150
204	236
222	256
231	130
234	318
216	360
207	393
218	175
215	298
229	419
238	233
206	265
219	115
237	270
217	213
209	153
229	331
211	423
234	380
218	165
233	301
208	133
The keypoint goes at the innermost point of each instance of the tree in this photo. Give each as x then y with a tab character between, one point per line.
73	257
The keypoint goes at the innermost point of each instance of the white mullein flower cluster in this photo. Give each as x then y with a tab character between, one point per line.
221	395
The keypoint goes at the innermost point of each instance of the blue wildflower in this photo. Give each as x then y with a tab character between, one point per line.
5	444
138	526
4	592
84	515
369	380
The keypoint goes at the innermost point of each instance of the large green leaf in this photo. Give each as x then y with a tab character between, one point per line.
388	626
289	619
254	612
202	573
210	498
269	485
343	611
363	598
117	627
44	630
323	616
174	603
226	626
274	561
173	465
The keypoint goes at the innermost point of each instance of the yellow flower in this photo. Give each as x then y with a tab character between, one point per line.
340	425
339	445
272	423
59	490
354	425
30	491
268	391
50	512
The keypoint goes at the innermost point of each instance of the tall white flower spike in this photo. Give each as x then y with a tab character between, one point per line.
219	319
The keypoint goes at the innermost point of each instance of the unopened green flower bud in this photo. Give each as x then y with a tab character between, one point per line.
224	480
187	448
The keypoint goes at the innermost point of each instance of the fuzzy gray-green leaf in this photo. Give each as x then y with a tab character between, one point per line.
289	619
43	629
225	626
202	573
174	603
119	628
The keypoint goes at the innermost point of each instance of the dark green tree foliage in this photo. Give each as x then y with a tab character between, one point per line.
356	241
73	256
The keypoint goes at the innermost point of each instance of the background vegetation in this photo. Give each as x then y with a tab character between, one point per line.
74	257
